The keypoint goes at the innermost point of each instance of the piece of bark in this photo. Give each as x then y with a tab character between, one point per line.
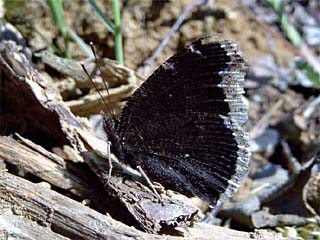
42	166
26	98
65	216
13	226
64	176
288	198
313	193
283	204
92	103
122	82
74	220
112	72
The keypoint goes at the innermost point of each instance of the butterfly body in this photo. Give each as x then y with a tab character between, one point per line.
183	125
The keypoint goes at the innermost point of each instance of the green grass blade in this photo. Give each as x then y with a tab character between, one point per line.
107	22
118	34
311	67
309	72
290	31
81	43
56	9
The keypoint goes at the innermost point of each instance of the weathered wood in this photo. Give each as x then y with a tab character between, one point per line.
42	166
122	82
13	226
31	158
63	215
27	101
92	104
72	219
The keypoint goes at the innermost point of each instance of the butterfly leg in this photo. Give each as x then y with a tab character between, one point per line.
144	175
109	158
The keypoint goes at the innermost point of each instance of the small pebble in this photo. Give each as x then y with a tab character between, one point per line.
86	202
290	232
44	185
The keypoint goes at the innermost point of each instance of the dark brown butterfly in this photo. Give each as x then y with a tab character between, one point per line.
183	125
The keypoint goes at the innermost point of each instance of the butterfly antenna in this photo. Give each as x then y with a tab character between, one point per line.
95	86
104	82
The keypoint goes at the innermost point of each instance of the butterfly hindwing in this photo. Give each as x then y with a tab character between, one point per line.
183	125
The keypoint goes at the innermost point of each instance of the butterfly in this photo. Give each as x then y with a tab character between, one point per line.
183	125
